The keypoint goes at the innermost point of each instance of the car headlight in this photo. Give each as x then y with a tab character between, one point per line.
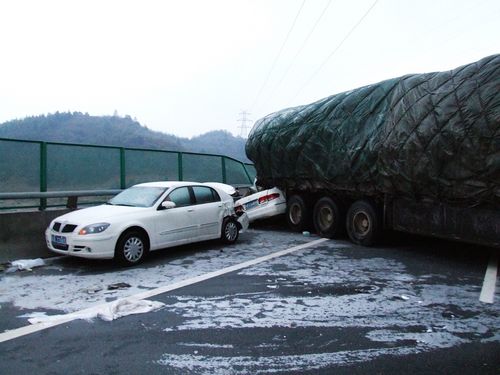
94	228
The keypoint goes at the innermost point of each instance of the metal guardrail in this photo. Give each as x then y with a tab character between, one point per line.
72	196
59	194
30	166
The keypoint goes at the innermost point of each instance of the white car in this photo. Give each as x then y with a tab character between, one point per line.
229	189
146	217
261	205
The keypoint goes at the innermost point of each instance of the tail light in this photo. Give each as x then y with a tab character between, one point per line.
267	198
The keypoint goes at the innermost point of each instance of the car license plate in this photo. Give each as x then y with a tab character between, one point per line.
251	204
59	239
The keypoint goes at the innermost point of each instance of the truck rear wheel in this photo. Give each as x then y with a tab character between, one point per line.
363	223
329	220
298	213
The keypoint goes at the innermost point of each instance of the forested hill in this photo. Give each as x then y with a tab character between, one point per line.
82	128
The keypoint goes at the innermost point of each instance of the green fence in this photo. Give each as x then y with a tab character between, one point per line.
30	166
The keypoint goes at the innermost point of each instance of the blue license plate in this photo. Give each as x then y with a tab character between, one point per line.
59	239
251	204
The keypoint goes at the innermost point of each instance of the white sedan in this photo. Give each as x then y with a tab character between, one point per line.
261	205
146	217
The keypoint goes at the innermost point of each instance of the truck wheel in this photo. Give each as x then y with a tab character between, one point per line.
363	223
298	215
329	220
131	248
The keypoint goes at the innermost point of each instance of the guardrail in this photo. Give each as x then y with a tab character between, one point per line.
72	196
34	167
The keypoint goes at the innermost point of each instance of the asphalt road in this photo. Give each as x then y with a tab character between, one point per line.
410	306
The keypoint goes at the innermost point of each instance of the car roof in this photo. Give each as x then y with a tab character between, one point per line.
229	189
171	184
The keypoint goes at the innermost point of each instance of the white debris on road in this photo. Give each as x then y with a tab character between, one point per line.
69	292
25	264
108	312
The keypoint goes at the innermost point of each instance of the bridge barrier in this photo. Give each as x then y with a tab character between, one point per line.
22	234
33	166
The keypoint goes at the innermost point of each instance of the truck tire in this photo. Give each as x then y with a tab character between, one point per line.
363	223
328	218
298	213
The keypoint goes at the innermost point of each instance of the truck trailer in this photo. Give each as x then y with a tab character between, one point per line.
418	153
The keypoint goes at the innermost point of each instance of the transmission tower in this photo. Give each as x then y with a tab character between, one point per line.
245	124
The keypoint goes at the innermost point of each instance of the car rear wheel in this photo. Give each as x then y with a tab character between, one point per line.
230	230
131	248
363	223
298	213
329	220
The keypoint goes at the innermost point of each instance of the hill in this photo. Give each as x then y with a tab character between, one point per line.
77	127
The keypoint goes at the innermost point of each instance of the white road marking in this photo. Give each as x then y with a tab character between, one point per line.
490	279
26	330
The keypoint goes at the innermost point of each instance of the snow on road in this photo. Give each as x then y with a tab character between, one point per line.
330	288
55	289
399	312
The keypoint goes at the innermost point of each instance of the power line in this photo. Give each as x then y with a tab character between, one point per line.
301	48
278	55
335	50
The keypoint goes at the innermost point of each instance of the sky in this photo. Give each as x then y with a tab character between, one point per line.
187	67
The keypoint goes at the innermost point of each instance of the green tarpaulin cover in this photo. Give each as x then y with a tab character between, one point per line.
434	135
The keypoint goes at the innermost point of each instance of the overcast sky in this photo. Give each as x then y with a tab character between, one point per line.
186	67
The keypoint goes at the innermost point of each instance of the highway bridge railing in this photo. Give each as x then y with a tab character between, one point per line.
40	175
71	196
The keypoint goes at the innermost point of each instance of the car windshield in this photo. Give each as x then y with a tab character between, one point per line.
138	196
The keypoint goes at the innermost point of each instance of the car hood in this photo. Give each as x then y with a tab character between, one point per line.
98	214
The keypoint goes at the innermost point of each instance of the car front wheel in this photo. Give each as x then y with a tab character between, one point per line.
131	248
230	231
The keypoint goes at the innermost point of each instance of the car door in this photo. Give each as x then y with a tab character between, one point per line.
209	211
177	225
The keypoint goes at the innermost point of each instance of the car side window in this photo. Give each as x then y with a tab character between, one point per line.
204	194
180	197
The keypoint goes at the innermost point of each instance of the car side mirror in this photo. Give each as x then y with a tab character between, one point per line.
168	205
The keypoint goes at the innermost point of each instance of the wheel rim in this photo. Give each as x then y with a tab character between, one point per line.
295	214
361	224
231	231
326	218
133	249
